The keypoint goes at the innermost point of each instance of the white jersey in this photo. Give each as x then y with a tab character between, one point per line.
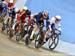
52	21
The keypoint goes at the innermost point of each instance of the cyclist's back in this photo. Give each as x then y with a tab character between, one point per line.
38	18
23	17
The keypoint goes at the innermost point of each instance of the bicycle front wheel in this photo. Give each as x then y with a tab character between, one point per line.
53	41
38	41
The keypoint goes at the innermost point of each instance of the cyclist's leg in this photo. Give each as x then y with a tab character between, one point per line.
13	26
46	34
53	30
34	30
14	23
16	27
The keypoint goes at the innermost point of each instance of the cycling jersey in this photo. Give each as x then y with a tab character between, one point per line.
3	8
13	14
22	16
38	17
53	24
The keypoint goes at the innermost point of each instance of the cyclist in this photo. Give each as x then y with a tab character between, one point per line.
3	7
23	16
51	27
15	12
13	15
40	17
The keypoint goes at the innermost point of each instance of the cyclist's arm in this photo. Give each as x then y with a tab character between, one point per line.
50	22
59	27
33	17
29	20
22	14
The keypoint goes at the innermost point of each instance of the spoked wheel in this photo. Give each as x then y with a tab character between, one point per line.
17	32
27	39
53	41
8	29
3	27
18	37
23	33
1	19
10	34
38	41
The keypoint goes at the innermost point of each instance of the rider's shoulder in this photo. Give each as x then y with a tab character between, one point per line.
52	18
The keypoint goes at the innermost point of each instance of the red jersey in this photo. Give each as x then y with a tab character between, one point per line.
22	16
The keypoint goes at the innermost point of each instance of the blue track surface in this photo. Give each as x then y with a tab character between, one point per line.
65	8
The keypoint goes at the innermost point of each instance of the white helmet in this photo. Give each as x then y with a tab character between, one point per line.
25	8
16	9
45	13
58	17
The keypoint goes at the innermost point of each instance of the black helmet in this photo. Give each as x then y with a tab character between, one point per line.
28	12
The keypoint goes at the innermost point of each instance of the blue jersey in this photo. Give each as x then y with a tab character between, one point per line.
39	16
12	13
5	9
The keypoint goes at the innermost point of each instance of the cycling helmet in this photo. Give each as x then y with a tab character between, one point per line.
58	17
21	9
28	12
25	8
16	9
45	13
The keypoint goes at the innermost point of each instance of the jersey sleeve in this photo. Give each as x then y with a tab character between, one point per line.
52	20
38	17
59	26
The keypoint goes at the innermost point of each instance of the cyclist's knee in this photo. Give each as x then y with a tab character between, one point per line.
35	28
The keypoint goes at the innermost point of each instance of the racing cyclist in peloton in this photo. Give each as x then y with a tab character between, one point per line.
52	25
39	17
23	17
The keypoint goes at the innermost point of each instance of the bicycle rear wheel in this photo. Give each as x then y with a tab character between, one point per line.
10	34
27	39
18	37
